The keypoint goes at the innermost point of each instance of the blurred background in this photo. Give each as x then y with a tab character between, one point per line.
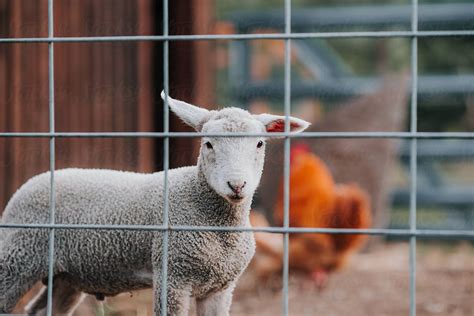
343	84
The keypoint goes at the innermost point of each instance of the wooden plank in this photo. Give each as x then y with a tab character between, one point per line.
191	79
17	104
4	101
145	90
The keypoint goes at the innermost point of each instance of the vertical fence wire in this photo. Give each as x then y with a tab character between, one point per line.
286	160
52	199
413	156
165	240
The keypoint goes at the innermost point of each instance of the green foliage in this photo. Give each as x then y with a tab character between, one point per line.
364	55
225	6
446	55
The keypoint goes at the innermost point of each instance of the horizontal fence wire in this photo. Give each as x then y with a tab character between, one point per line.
209	37
419	135
277	230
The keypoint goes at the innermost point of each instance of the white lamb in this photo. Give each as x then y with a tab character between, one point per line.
205	265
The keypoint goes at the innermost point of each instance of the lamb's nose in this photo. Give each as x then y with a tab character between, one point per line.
236	187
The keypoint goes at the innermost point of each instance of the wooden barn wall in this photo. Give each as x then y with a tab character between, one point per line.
99	87
191	69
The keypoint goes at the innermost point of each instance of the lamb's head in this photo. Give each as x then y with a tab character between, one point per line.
232	166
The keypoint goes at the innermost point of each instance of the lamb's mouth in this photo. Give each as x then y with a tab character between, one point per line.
235	198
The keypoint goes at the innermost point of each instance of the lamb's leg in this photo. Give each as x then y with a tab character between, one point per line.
65	298
23	256
17	275
215	304
177	301
38	302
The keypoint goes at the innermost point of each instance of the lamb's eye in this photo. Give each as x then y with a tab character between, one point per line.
208	145
259	144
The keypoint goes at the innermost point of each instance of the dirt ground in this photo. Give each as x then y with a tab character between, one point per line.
375	283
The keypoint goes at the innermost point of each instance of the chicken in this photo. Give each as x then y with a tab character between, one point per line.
315	201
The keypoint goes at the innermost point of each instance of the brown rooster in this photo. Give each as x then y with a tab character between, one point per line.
315	201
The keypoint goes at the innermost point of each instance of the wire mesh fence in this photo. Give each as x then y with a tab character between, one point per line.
412	233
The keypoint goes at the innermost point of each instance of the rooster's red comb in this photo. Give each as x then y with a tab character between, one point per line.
299	148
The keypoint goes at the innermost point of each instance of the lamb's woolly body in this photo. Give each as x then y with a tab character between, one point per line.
201	264
111	262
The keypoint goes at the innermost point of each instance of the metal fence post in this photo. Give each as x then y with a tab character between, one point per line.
52	199
164	266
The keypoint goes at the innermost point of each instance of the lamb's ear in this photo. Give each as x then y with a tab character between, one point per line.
190	114
276	123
